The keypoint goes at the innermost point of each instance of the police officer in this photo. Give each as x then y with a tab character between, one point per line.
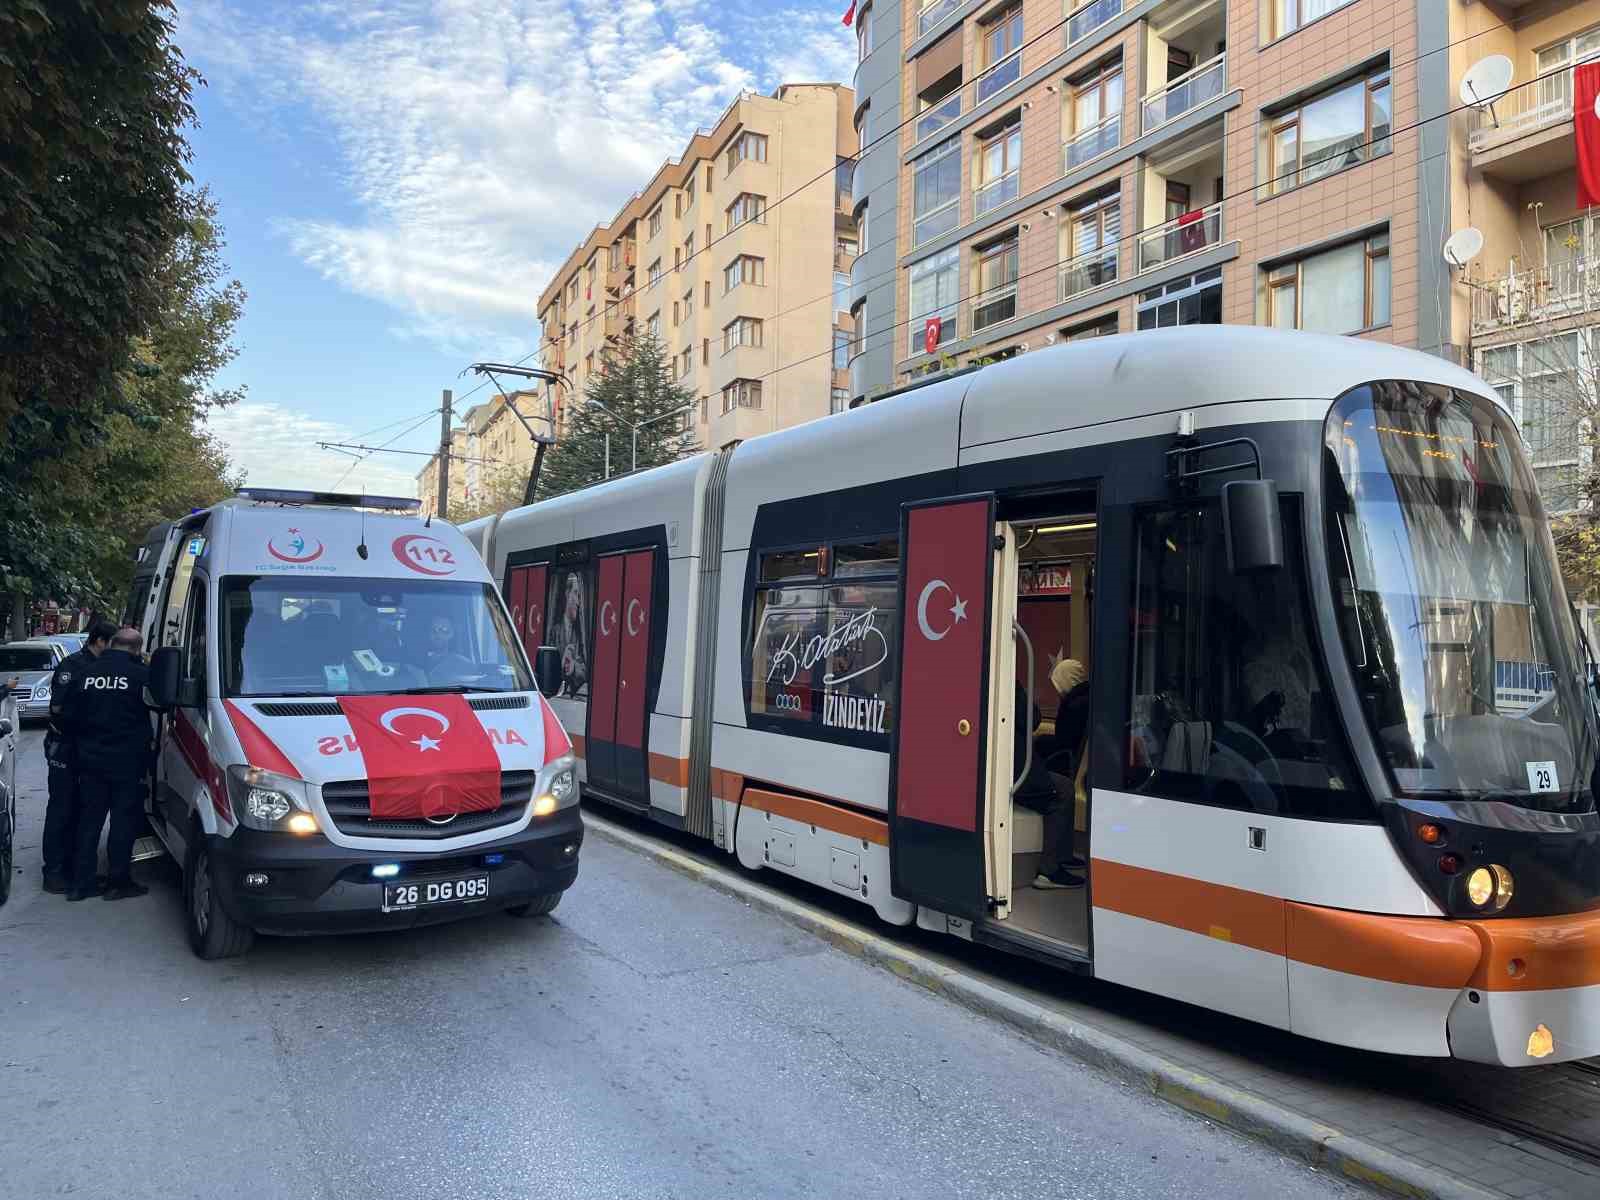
61	812
109	722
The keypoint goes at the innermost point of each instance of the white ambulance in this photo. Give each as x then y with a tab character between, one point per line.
350	735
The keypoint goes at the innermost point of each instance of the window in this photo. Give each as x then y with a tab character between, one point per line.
688	190
686	362
194	668
1341	128
995	298
1341	290
744	269
588	363
1100	327
1289	15
614	261
708	179
676	320
751	147
821	659
863	32
939	105
1096	115
838	400
999	158
1001	39
705	352
861	229
935	292
858	322
652	326
572	291
1552	393
741	393
688	248
1088	17
1229	706
655	221
1193	300
741	331
748	207
1093	233
688	304
655	272
846	246
841	349
936	188
931	12
841	292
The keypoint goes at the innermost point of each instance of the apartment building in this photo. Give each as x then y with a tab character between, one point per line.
491	453
1108	165
736	256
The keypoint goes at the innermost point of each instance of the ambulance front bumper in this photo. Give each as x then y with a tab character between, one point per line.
313	886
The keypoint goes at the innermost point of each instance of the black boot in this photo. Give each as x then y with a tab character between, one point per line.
55	882
125	889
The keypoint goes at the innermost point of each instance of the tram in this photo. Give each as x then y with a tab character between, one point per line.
1336	772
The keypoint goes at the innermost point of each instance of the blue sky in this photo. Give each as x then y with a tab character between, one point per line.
398	180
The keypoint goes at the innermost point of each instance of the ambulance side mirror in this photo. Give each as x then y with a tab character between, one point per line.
166	668
1252	524
547	670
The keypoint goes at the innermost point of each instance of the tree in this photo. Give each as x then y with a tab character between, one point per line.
632	389
94	100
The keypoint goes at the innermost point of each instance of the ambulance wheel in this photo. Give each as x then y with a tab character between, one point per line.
538	907
212	932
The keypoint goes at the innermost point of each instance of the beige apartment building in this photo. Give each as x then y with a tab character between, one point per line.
1071	171
491	453
736	256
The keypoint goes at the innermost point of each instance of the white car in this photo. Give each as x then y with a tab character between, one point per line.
32	662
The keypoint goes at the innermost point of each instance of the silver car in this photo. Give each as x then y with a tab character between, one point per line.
31	662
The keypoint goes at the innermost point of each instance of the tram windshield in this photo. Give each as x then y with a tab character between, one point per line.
1453	612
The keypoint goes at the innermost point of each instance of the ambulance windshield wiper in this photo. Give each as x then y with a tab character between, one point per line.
429	689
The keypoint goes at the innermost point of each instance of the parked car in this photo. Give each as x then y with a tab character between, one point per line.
8	794
32	662
70	642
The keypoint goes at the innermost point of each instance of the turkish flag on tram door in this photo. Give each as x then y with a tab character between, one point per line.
426	756
1586	131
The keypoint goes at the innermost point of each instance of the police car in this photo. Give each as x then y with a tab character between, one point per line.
351	734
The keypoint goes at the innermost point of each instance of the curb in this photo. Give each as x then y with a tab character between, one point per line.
1325	1147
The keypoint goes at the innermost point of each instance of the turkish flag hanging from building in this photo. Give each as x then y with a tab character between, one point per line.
426	756
1586	129
931	332
850	13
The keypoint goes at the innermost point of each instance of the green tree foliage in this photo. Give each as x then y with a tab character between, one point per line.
94	101
633	386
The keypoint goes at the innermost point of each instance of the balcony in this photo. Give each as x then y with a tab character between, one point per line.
936	118
1003	74
1090	17
1539	295
1092	142
1188	91
1527	133
1191	232
991	308
932	14
1087	272
993	195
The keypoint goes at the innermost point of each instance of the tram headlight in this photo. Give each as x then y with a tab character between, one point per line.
1490	887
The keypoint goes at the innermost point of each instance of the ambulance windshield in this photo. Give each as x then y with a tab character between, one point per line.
326	637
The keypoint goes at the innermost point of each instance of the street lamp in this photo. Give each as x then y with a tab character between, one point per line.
677	412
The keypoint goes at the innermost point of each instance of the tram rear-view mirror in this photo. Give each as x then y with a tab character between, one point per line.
1252	524
547	670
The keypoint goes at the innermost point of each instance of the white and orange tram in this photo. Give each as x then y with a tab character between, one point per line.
1336	775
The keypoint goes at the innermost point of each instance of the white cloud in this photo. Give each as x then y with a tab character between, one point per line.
277	447
482	139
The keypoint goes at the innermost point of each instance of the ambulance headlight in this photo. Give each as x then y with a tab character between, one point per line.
558	787
268	801
266	805
564	785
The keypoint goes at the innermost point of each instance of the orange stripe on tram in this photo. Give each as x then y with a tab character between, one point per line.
664	768
1210	909
1532	953
1420	951
820	813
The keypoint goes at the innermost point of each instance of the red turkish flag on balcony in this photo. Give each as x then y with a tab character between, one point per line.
1586	129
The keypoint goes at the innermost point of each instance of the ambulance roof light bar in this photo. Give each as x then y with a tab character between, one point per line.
335	499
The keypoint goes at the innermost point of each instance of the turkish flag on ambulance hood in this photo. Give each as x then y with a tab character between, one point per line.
426	756
1586	130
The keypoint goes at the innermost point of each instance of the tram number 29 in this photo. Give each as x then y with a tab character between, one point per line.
1542	777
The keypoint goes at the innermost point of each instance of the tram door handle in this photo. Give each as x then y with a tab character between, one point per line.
1027	739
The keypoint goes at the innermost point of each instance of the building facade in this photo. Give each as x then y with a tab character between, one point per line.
1108	165
736	256
491	455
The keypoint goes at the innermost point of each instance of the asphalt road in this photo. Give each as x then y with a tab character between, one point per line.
654	1038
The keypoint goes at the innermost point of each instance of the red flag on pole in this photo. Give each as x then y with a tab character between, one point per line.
426	756
1586	130
850	13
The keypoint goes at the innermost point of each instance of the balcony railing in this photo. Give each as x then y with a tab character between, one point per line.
993	195
1183	235
1090	17
1190	90
1003	74
1538	104
992	307
1088	271
1536	295
933	13
1094	141
935	119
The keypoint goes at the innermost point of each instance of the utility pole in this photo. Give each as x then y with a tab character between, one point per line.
444	456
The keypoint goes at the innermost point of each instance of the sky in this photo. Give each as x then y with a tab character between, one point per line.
399	179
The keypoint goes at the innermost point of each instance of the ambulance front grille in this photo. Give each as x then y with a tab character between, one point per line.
349	807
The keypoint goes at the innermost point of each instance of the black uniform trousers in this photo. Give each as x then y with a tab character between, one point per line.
122	798
61	815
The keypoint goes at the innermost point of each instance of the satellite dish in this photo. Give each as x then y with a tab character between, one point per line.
1486	81
1462	246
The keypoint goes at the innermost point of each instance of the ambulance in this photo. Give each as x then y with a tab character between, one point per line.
351	735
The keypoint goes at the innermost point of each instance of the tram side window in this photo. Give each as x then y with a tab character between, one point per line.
1229	707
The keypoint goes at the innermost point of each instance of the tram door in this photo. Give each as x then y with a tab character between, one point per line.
616	748
941	756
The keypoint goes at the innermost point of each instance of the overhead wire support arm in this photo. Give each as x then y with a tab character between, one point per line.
540	441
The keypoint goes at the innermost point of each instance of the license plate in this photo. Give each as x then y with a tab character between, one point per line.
423	893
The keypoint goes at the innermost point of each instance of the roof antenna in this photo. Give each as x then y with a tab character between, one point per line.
361	550
428	524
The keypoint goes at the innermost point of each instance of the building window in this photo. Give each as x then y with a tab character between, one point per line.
1089	16
655	272
1001	40
1289	15
1342	290
588	363
1093	232
745	269
841	349
861	228
741	331
751	147
1340	128
1553	68
748	207
1100	327
616	256
935	293
652	327
705	352
655	221
999	160
838	400
858	322
938	105
741	393
936	189
931	12
1193	300
863	32
1543	383
688	304
995	298
676	319
1096	115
